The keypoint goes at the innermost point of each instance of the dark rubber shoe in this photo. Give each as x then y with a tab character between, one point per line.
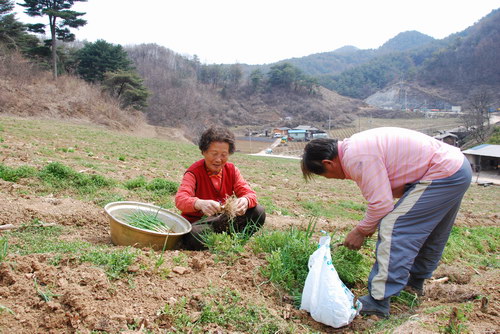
415	285
372	306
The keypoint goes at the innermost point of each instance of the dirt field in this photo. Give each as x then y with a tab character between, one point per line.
83	299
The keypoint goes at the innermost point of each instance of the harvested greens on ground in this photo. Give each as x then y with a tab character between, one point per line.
146	220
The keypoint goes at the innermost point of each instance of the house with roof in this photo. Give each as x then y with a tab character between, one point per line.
280	132
484	157
297	134
448	138
306	132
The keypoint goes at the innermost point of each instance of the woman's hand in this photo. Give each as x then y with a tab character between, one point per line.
241	206
208	207
354	239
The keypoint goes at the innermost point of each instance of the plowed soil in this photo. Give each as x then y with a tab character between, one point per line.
85	300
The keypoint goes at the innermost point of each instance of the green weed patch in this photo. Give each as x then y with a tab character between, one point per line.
115	261
14	174
138	182
478	246
227	247
352	266
288	256
157	190
225	308
58	176
346	209
4	248
162	186
35	239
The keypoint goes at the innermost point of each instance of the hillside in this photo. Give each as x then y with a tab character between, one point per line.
468	63
464	64
448	69
181	99
402	96
405	41
26	90
335	86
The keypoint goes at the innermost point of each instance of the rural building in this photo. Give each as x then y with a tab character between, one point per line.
320	134
283	131
311	132
448	138
484	157
297	134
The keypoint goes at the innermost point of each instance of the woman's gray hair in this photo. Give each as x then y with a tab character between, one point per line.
217	134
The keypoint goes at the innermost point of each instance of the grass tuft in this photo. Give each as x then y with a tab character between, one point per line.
160	185
226	247
352	266
115	262
138	182
288	255
478	246
4	248
14	174
32	238
59	176
225	308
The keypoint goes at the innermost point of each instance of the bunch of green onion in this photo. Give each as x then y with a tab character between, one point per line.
147	221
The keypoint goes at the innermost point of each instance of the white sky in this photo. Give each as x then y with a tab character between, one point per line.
266	31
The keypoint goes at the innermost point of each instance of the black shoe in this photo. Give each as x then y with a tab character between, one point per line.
372	306
415	285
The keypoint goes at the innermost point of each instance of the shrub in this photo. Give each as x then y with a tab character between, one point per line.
14	174
138	182
163	185
60	176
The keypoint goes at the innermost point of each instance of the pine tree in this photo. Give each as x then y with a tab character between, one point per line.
128	88
61	18
95	59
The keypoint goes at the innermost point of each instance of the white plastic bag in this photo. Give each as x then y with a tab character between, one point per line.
325	296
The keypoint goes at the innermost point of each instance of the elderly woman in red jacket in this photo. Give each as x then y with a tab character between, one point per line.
208	183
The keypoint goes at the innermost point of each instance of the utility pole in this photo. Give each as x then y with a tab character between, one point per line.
406	101
329	122
250	136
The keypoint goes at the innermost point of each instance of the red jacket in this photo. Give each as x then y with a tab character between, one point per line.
203	188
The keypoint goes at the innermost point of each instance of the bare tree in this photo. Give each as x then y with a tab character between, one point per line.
476	117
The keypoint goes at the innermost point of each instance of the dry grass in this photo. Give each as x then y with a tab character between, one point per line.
14	67
26	90
229	208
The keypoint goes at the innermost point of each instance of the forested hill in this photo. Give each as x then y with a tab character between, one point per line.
452	66
469	59
186	93
331	87
347	57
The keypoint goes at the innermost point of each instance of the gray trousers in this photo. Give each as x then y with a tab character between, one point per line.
412	237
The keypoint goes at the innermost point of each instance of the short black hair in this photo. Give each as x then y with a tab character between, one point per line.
315	152
217	134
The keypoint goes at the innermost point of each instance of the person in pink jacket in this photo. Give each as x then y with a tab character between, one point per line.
430	179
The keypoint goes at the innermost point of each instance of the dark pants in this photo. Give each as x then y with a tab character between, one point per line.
250	222
412	237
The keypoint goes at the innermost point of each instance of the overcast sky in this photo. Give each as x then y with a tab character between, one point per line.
266	31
